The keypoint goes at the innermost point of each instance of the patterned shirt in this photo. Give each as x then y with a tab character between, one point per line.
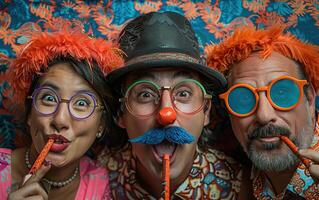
212	176
301	185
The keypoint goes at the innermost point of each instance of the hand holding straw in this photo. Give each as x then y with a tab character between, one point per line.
38	162
166	177
294	149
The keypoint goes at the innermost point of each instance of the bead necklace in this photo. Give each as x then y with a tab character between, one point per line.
57	184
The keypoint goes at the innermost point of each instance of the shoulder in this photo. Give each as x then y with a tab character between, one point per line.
222	165
89	167
94	182
214	155
5	157
5	172
5	152
113	160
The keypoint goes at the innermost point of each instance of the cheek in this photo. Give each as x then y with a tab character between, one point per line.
194	124
89	128
38	126
240	127
138	126
300	122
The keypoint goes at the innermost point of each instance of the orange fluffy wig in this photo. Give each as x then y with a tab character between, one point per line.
246	40
45	47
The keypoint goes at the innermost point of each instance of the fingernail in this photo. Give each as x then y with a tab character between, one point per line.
26	178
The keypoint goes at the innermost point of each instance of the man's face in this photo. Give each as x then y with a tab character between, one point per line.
148	155
265	150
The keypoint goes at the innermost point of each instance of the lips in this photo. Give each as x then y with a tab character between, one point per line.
60	143
164	148
269	139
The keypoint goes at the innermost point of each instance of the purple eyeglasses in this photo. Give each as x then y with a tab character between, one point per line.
81	105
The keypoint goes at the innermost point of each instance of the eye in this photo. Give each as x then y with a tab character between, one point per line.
183	94
146	96
48	99
82	103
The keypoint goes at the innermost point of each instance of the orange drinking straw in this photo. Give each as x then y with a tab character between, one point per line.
294	149
38	162
165	176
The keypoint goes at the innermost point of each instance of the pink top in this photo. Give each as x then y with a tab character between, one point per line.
94	183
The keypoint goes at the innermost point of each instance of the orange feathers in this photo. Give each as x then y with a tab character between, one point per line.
247	40
44	47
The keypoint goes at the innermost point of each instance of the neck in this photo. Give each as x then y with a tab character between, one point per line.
55	173
148	181
280	180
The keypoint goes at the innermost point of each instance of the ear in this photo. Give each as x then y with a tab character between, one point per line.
311	97
120	121
28	120
102	125
207	108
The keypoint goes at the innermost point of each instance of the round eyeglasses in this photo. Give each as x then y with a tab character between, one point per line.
143	97
81	105
283	93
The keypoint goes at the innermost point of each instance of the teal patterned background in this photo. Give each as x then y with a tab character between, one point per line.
212	21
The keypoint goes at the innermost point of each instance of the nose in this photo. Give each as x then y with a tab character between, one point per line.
61	118
265	112
167	114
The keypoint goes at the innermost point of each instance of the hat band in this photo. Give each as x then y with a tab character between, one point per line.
163	56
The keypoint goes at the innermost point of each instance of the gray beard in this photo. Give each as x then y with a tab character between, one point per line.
266	160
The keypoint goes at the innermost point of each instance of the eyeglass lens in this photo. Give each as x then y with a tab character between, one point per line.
80	106
284	93
144	98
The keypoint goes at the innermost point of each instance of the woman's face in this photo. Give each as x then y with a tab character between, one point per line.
73	137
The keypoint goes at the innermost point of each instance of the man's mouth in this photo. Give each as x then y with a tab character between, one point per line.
164	147
269	139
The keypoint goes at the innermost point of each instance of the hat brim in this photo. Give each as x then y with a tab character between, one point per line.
215	79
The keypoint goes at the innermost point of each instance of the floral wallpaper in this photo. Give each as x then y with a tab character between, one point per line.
212	20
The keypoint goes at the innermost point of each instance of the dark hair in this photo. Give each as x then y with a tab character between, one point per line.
94	76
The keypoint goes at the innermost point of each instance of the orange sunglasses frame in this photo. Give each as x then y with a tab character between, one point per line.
300	83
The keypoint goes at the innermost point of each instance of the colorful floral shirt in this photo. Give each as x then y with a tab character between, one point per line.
301	185
94	183
213	176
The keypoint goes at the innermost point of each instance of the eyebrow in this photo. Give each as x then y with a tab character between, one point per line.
57	89
146	75
182	74
49	84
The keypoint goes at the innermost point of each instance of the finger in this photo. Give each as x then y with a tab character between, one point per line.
29	190
311	154
38	175
37	197
314	171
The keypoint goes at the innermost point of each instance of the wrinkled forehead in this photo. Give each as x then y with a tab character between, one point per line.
162	76
255	68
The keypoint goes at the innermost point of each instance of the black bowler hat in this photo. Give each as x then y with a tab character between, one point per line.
156	40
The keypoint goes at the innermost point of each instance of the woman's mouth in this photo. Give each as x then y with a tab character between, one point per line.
60	143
